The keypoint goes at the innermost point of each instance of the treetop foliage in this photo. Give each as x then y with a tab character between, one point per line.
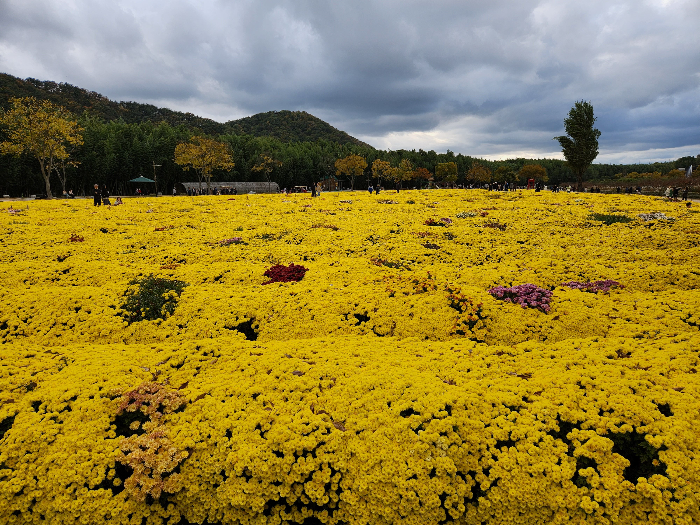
42	129
381	169
125	140
203	155
446	172
533	171
352	166
479	173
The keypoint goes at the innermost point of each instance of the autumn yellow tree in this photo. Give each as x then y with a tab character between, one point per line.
479	173
42	129
351	166
404	171
381	169
446	172
533	171
203	155
267	165
422	174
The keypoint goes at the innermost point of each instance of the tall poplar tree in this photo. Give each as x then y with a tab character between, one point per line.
580	144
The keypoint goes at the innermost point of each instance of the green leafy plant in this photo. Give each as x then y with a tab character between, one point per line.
151	298
609	218
266	236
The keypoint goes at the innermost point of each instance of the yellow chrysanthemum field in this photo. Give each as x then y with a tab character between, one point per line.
408	377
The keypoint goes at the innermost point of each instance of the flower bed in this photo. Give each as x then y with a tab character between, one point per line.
352	431
387	385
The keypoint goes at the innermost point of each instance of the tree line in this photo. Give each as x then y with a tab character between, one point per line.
113	152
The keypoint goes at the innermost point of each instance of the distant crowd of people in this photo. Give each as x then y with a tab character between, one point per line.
101	195
192	192
672	193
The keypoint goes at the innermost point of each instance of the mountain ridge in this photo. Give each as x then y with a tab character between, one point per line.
284	125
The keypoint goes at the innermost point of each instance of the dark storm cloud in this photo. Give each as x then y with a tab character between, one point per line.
484	78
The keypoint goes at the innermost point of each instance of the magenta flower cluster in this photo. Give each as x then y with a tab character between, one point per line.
526	295
232	240
594	286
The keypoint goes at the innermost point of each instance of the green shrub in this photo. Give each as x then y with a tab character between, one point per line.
151	298
609	218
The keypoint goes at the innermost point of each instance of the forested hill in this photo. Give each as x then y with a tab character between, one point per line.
286	126
291	126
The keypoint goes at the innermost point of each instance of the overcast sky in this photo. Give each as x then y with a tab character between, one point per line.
491	79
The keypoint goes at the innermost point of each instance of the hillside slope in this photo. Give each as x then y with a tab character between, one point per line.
291	126
287	126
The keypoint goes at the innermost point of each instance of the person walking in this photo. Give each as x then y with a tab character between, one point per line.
97	196
105	196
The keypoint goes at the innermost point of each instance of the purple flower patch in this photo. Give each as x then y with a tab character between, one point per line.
228	242
526	295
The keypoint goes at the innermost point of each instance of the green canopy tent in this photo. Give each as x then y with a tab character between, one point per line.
142	179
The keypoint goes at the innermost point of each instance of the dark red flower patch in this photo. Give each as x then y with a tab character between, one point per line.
280	273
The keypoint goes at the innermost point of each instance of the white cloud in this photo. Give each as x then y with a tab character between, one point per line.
485	78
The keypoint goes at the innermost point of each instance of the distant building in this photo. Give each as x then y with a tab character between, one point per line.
330	183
